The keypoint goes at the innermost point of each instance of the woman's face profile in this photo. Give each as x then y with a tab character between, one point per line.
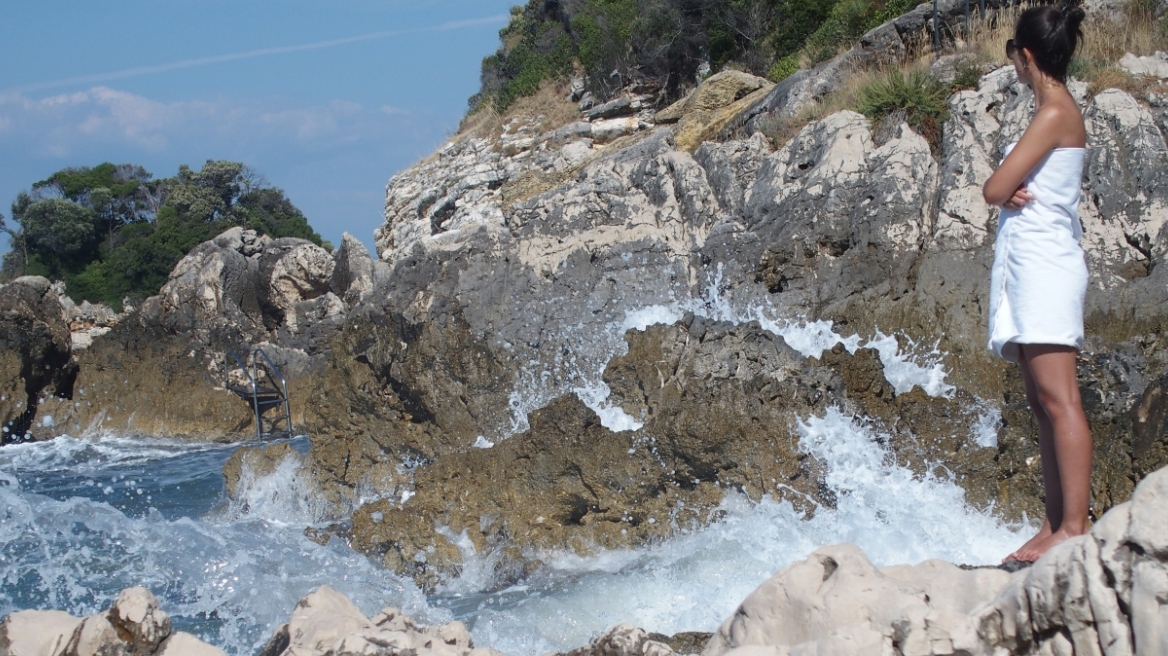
1020	60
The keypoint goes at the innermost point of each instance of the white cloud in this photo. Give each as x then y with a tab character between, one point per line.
57	126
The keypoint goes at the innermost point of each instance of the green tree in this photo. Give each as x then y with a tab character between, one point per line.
58	236
118	194
113	231
13	264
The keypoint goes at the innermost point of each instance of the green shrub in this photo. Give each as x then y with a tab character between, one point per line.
783	69
968	76
798	20
923	100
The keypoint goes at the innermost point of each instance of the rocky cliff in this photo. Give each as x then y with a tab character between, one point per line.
539	274
161	369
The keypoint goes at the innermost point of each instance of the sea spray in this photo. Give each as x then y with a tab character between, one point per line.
229	575
695	579
577	361
232	575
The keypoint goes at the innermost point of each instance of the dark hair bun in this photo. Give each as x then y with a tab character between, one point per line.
1051	34
1073	16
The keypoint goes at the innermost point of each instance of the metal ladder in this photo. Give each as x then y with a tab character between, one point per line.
261	397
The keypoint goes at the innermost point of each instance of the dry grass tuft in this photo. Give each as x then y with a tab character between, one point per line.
1104	43
847	96
547	109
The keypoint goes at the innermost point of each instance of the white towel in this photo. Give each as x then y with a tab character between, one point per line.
1039	277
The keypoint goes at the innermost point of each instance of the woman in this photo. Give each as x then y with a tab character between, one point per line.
1039	276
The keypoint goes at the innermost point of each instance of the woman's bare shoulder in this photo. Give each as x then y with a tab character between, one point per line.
1063	122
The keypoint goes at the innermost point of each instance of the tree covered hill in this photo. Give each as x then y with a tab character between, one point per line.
668	43
112	231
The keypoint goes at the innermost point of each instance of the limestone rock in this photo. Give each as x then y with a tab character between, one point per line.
712	106
1155	66
210	286
623	640
326	623
837	602
184	644
133	626
731	168
714	93
36	632
354	272
35	354
1100	593
621	106
246	242
609	130
298	272
136	614
842	216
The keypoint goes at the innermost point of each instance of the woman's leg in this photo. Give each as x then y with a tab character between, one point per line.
1068	482
1050	474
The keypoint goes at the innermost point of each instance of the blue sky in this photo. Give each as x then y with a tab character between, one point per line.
325	99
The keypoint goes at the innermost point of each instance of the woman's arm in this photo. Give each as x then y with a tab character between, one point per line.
1041	137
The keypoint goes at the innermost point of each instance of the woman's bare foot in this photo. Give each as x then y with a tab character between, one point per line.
1043	534
1036	551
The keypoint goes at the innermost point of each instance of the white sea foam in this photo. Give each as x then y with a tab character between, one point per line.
911	367
694	580
989	422
579	367
230	577
282	497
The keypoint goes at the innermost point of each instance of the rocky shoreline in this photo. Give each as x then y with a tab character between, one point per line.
1100	593
571	332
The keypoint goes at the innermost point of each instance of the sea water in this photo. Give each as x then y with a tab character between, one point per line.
81	519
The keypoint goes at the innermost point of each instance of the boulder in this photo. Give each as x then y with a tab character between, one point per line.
1154	66
621	106
1100	593
712	106
609	130
211	286
35	354
133	626
36	632
714	93
326	623
296	273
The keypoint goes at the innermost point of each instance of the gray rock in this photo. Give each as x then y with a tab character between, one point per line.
326	623
1125	203
1154	66
571	132
35	354
731	167
353	271
622	106
36	632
